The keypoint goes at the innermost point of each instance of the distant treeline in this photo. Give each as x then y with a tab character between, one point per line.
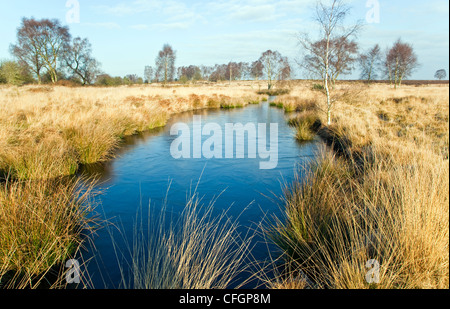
45	52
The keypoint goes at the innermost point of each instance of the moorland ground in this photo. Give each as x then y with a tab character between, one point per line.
378	190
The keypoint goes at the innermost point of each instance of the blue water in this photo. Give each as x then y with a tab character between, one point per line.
144	168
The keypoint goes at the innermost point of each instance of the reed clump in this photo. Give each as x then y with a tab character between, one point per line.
398	216
307	124
273	92
42	223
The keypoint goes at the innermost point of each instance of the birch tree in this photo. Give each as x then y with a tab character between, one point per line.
400	62
78	58
51	39
370	63
440	74
165	63
330	19
274	66
26	49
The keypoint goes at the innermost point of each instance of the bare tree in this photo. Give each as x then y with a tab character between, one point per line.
165	63
273	66
440	74
233	71
244	70
286	70
342	54
256	70
27	50
400	62
370	63
78	58
218	73
50	40
206	71
132	79
330	18
148	74
191	72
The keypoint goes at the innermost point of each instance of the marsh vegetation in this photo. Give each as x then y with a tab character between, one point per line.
379	190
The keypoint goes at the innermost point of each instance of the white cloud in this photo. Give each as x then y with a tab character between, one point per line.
105	25
171	26
254	14
257	10
165	15
135	7
140	27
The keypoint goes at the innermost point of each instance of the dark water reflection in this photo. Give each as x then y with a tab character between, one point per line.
144	167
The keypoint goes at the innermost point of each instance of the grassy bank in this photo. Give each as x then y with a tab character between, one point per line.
379	192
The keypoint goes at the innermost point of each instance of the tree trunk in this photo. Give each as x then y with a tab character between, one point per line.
327	90
53	76
166	68
328	102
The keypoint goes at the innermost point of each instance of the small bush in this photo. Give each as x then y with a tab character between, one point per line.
317	87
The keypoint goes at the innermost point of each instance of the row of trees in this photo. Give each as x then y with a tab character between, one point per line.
271	66
332	57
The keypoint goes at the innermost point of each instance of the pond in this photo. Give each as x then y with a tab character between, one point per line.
146	172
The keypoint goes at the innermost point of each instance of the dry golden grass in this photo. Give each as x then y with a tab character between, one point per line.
50	130
41	223
383	196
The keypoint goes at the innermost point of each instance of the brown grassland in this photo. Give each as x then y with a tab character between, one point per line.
378	191
381	194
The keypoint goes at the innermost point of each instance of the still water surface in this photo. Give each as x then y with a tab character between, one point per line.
144	168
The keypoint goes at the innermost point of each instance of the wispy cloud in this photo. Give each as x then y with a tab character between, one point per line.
171	26
140	27
249	13
130	8
165	15
105	25
257	10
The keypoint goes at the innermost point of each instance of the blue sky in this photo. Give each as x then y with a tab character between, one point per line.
127	35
